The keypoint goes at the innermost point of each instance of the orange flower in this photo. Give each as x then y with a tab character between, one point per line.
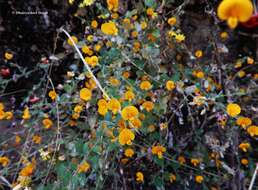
129	112
244	122
28	170
244	146
148	105
94	24
234	11
8	56
158	150
36	139
172	21
4	160
244	161
113	5
253	130
198	53
129	152
83	167
145	85
47	123
198	179
181	160
52	94
136	123
195	161
126	136
172	178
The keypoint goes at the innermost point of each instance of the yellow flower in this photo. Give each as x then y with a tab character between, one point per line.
4	161
129	95
180	37
26	114
52	94
150	12
36	139
244	122
126	136
172	21
94	24
102	107
134	34
8	56
233	109
181	160
172	178
129	112
8	115
86	49
97	47
199	74
92	61
148	105
224	35
113	81
144	25
253	130
75	115
145	85
90	38
198	179
1	106
91	84
74	38
198	53
114	15
244	146
109	28
78	109
195	161
114	105
85	94
113	5
244	161
17	140
129	152
158	150
86	3
241	74
170	85
47	123
83	167
139	177
235	11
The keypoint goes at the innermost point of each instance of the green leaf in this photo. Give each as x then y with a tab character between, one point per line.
150	3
